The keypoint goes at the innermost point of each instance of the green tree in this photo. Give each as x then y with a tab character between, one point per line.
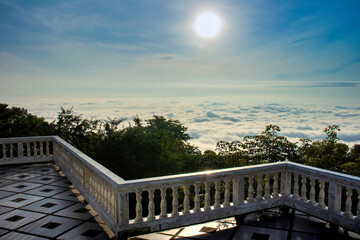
328	153
270	147
17	122
156	147
81	132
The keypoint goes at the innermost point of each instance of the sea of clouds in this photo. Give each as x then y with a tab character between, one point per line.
211	121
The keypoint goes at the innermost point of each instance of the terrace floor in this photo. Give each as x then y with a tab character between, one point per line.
38	202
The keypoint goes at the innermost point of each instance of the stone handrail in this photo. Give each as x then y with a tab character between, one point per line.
26	150
154	204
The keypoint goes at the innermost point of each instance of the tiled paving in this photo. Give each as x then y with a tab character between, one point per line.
37	202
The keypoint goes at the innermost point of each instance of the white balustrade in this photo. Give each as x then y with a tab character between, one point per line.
151	215
296	186
199	194
186	200
175	203
227	193
217	194
259	187
303	189
251	189
276	185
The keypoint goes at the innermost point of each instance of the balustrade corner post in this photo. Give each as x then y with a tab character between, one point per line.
122	203
285	183
238	190
334	202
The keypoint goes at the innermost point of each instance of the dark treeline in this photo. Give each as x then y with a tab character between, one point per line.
159	146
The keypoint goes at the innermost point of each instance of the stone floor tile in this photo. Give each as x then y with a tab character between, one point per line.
8	172
67	195
268	220
5	210
19	200
4	194
5	182
45	179
46	190
22	236
78	211
50	226
255	233
48	205
172	231
309	223
85	231
58	173
3	231
17	218
22	176
26	167
64	182
153	236
199	231
46	170
21	186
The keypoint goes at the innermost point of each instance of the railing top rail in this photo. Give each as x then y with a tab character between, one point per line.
25	139
205	175
325	174
95	166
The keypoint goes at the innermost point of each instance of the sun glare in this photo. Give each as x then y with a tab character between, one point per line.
207	25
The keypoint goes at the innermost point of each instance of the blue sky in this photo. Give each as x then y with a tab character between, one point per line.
279	51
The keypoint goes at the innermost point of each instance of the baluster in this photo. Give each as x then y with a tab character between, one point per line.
296	186
108	200
11	150
106	190
186	200
41	149
163	213
138	206
303	188
322	194
227	193
47	148
28	151
102	191
4	151
175	203
259	187
251	189
197	198
35	149
207	196
348	203
276	185
97	188
312	191
358	206
267	186
151	215
217	194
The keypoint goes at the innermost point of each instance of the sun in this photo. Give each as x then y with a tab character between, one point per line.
207	25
